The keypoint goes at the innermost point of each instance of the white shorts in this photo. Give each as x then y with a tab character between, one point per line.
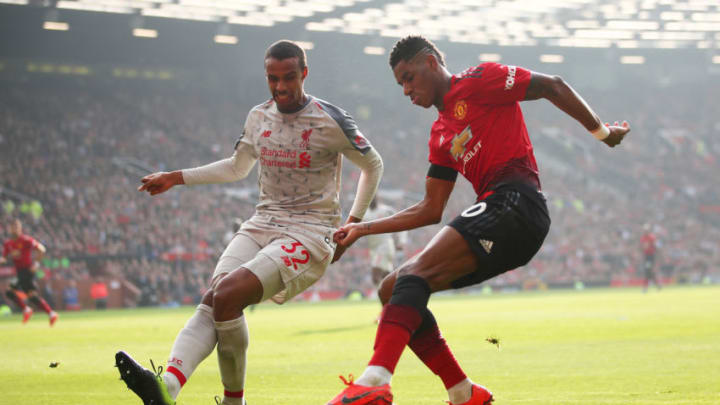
284	266
382	257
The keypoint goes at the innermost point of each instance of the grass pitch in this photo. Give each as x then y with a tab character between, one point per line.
567	347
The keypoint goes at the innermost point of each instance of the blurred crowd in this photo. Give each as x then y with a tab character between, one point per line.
72	155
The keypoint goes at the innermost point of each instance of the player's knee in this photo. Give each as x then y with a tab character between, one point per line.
434	276
227	303
232	294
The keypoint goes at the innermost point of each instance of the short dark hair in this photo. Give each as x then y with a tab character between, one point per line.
285	49
406	49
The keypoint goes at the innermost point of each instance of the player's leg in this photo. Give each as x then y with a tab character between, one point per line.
406	309
12	293
431	348
489	238
232	295
26	280
14	297
647	270
257	280
193	343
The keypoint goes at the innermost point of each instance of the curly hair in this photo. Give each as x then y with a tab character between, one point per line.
406	49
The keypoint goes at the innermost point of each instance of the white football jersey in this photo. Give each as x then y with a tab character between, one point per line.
300	159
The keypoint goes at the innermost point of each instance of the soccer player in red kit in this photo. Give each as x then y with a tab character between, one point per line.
648	242
20	250
480	133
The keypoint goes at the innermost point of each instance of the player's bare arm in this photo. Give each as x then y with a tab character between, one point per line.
426	212
40	250
161	182
558	92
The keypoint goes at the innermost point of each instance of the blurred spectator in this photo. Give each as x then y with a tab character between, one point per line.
99	293
71	297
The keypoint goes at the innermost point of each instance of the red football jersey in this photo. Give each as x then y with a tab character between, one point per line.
20	251
481	131
649	243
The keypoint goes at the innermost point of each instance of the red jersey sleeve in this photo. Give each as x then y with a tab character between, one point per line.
29	241
6	249
493	83
437	155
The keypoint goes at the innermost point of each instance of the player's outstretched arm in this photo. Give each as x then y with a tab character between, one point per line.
233	168
558	92
426	212
41	250
371	170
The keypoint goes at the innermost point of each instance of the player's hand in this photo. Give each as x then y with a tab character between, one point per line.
160	182
617	133
339	237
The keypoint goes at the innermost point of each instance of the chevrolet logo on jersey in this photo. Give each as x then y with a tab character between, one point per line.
458	143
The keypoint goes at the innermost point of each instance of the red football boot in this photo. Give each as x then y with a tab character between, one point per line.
27	313
355	394
480	396
53	318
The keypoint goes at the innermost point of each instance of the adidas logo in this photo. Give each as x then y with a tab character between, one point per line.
486	244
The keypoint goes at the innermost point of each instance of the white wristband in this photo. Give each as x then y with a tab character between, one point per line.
601	133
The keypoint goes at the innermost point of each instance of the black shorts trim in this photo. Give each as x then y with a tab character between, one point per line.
504	230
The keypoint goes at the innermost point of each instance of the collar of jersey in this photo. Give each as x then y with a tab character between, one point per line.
309	99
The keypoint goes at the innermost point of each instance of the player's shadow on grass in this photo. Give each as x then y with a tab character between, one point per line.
333	330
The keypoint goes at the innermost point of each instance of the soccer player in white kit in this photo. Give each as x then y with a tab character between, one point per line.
382	247
298	141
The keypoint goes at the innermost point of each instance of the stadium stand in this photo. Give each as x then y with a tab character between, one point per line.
78	128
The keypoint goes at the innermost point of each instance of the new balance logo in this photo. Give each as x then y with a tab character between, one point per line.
486	244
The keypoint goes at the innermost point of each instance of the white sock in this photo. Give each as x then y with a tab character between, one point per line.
233	339
233	401
460	392
192	345
374	376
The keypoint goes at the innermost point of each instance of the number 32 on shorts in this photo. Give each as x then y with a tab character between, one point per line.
296	257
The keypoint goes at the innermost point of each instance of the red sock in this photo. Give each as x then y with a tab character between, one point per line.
397	323
237	394
39	301
432	349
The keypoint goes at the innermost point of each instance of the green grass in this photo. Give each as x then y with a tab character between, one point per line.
563	347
